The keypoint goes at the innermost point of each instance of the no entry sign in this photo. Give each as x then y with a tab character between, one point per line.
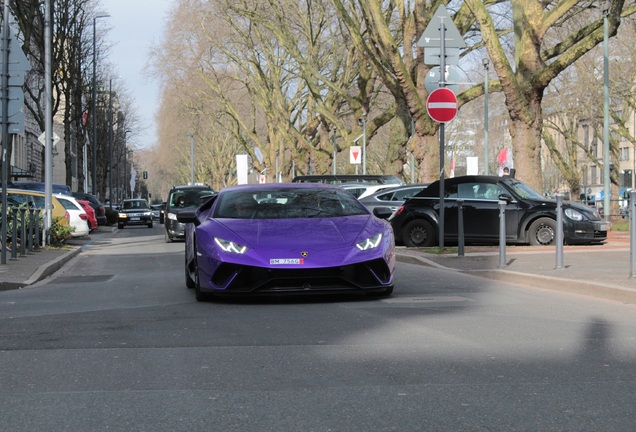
442	105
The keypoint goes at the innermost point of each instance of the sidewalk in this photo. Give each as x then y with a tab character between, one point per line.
597	270
600	270
35	266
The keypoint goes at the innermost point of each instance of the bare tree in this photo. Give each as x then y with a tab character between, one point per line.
536	62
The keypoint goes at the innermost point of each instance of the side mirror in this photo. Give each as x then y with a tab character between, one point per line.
188	217
382	212
505	197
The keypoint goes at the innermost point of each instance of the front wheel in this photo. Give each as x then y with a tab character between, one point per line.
191	282
542	232
418	233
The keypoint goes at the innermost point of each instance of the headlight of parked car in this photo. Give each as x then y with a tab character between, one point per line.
370	243
123	215
229	246
172	216
574	214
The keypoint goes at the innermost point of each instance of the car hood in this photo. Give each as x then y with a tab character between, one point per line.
551	204
320	233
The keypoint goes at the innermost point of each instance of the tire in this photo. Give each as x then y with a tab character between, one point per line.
542	232
190	283
120	226
150	225
200	296
418	233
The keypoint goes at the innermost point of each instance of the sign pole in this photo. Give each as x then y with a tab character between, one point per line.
443	107
5	126
442	82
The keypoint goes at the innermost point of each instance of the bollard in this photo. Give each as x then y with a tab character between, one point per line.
22	231
632	232
37	229
502	234
14	234
460	227
30	230
559	232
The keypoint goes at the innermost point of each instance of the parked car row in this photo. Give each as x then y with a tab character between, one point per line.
83	212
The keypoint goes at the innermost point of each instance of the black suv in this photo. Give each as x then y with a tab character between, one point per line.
134	212
530	217
100	211
182	198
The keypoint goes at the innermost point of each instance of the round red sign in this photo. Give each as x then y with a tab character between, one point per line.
442	105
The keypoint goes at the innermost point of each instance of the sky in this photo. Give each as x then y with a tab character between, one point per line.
134	27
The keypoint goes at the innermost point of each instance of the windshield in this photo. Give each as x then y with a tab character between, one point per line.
284	203
139	204
188	198
524	191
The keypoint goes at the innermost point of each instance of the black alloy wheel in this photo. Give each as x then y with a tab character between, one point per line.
418	233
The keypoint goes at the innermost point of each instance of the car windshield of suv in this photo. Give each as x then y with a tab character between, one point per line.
524	191
141	204
188	198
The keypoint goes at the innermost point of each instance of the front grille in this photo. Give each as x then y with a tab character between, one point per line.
237	278
600	234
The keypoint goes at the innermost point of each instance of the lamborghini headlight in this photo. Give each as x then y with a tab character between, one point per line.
370	243
228	246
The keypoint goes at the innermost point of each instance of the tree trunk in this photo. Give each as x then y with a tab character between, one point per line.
425	148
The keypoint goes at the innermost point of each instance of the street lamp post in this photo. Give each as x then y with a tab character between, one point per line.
191	158
94	185
121	191
110	142
486	65
606	152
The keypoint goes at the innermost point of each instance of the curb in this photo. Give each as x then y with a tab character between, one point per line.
46	270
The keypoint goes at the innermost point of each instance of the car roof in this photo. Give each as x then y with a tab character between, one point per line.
191	187
266	186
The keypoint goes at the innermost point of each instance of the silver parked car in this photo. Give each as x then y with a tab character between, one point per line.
393	197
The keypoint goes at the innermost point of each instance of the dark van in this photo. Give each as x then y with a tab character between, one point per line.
182	198
348	178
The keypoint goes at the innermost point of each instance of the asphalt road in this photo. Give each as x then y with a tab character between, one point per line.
115	342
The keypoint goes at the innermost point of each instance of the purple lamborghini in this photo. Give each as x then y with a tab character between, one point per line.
287	238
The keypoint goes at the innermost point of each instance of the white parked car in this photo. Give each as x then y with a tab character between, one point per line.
77	217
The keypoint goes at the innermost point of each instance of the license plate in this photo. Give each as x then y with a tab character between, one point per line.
603	227
287	261
134	218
